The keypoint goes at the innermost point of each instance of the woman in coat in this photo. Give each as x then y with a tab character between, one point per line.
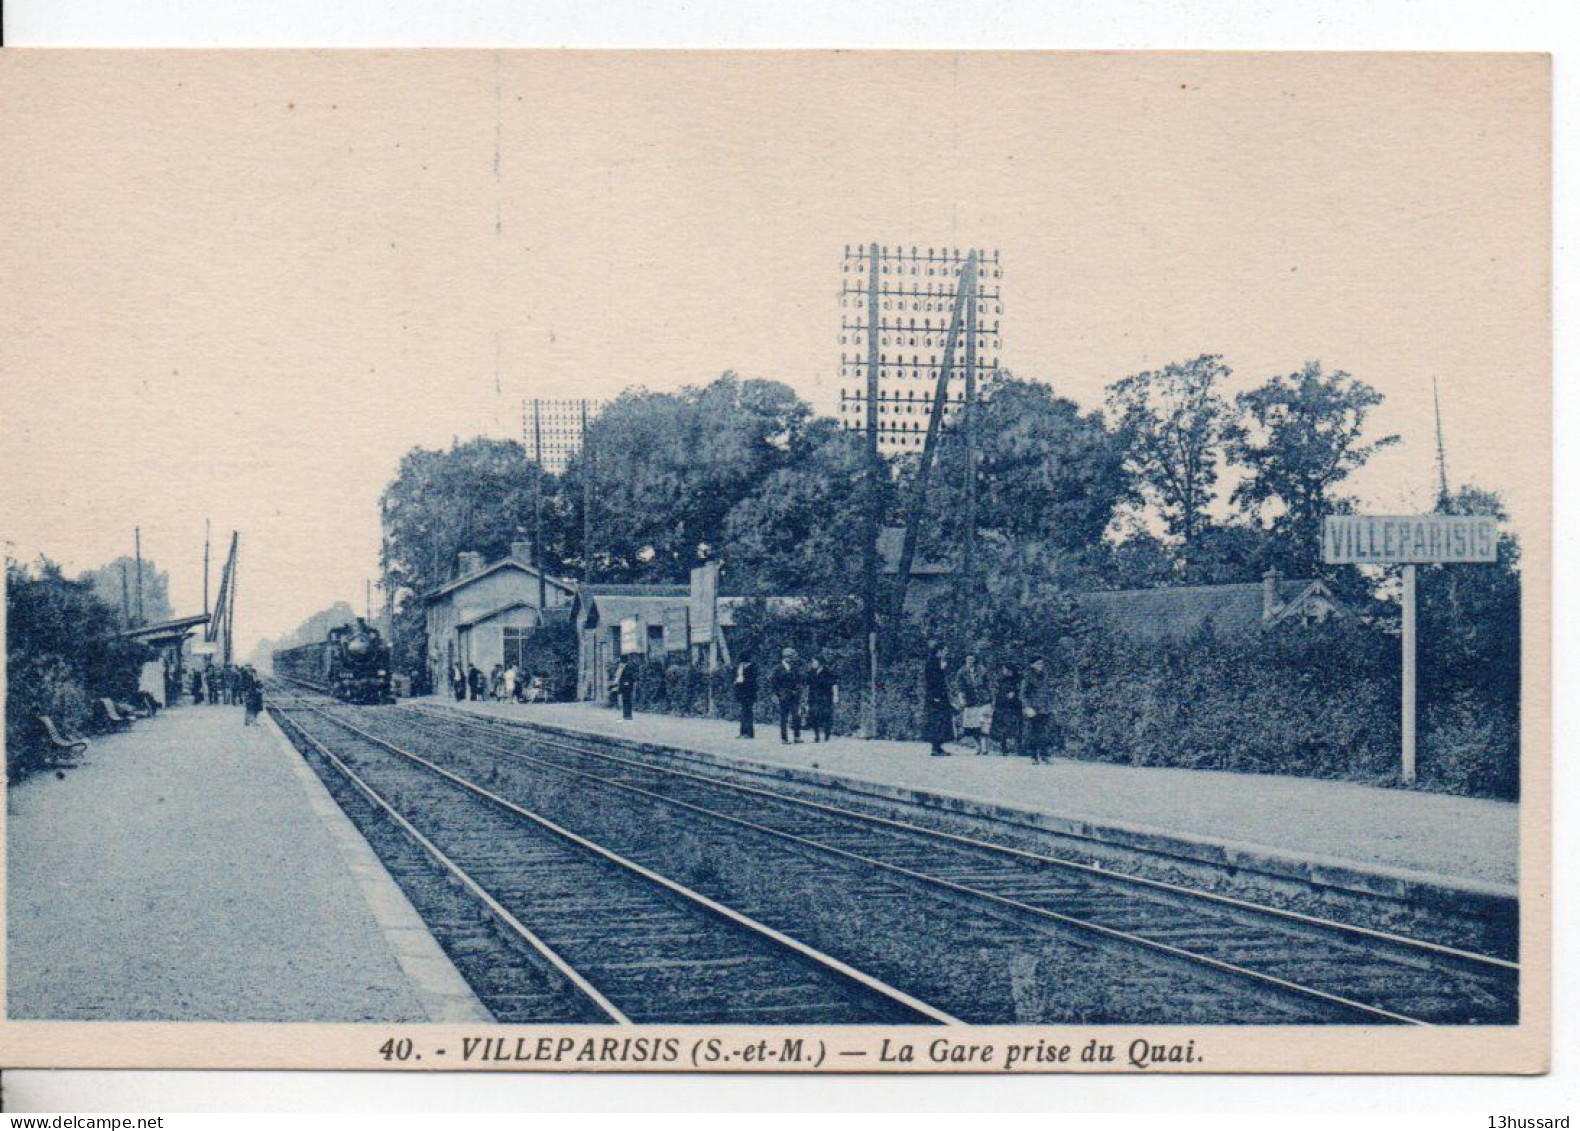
1006	710
938	717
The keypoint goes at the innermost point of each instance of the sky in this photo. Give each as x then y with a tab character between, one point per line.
240	286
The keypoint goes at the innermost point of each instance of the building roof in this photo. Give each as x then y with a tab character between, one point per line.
891	546
614	608
177	627
510	606
1170	613
503	563
622	590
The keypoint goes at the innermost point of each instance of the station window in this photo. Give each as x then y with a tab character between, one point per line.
513	646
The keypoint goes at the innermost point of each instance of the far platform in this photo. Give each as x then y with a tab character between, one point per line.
1389	841
193	869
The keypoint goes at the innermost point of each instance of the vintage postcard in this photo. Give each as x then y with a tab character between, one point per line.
773	561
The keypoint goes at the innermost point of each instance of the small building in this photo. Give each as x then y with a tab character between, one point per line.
1173	613
615	620
487	614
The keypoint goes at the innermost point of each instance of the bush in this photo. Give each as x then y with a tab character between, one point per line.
1317	701
61	654
1468	749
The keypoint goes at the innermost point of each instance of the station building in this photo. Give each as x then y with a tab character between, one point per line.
487	614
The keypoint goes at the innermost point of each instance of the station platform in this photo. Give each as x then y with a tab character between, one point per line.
193	869
1407	844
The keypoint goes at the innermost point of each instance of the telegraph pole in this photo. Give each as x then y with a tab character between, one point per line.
935	424
587	495
137	535
968	554
875	472
537	505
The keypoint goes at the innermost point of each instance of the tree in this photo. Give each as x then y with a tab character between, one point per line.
477	496
668	468
106	582
1046	472
798	532
1175	425
1303	438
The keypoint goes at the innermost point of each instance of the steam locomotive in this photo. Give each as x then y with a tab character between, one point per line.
353	664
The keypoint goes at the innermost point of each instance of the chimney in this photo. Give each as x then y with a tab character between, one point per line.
1270	600
522	552
468	562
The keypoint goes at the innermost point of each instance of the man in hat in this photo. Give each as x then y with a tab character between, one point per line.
785	683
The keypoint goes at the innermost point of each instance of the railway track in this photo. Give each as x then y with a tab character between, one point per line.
1345	972
625	944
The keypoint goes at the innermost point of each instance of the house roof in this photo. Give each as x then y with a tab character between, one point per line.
503	563
1166	613
891	546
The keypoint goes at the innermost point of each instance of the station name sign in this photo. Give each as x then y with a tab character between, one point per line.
1424	539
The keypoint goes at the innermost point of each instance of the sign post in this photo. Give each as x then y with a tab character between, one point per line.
1407	680
1408	540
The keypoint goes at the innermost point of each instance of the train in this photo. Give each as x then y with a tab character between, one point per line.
352	664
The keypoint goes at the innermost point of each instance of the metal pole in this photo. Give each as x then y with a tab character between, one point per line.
230	602
869	711
205	567
1407	683
537	504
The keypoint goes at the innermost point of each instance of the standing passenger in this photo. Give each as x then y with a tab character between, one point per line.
785	683
475	680
822	696
197	687
938	723
1036	697
1006	723
969	694
746	696
508	684
253	699
457	682
625	686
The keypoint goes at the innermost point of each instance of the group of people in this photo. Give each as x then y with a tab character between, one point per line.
806	697
230	684
1009	709
1005	711
507	683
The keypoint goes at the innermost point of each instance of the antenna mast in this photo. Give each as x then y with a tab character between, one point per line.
1443	499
